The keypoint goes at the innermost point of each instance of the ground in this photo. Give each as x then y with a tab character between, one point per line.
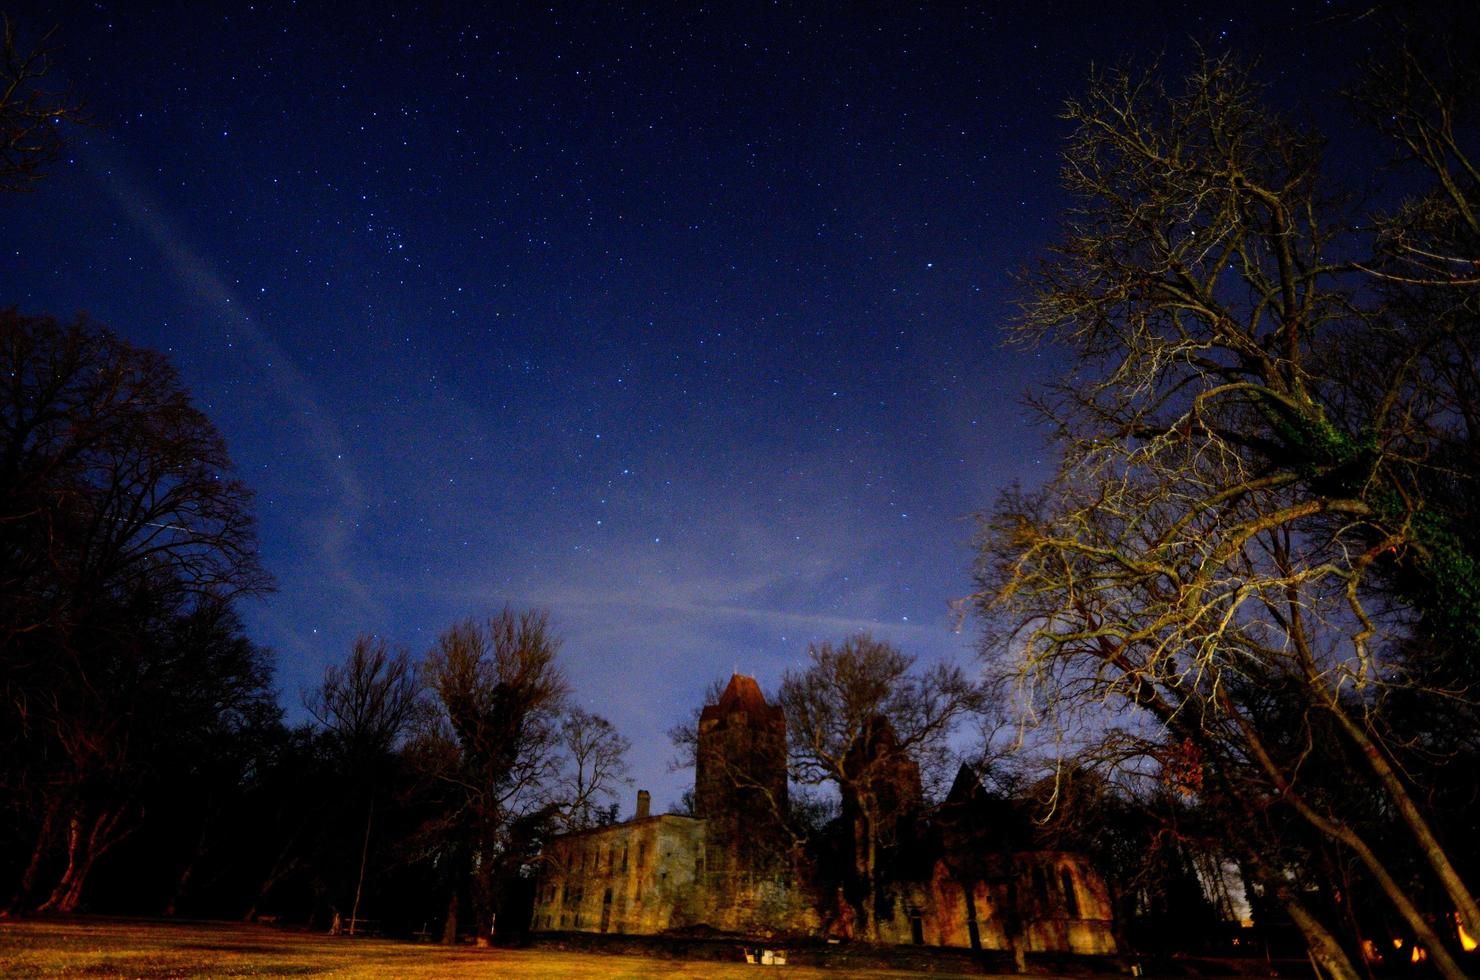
110	948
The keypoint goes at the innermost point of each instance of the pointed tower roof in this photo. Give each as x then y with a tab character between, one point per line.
966	789
741	694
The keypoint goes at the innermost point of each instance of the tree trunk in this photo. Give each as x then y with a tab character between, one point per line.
1428	844
449	928
865	858
1325	951
82	853
182	883
72	896
354	912
281	867
74	837
1340	833
38	852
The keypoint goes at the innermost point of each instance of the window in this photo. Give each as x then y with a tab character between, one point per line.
624	858
1040	888
1071	901
641	855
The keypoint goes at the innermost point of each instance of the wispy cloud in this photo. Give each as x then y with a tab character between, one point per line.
299	402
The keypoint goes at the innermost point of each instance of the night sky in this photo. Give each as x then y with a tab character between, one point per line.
684	323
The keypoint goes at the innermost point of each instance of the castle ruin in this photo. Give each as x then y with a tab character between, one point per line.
958	876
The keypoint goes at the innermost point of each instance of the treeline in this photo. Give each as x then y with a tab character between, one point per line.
145	765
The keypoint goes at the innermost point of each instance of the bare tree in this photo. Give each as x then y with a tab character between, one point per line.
367	706
492	745
862	719
30	114
108	476
370	702
1248	442
1421	96
120	518
595	765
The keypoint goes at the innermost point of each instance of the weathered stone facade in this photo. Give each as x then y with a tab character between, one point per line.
1036	901
641	877
961	878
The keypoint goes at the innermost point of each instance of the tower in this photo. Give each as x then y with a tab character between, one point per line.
740	777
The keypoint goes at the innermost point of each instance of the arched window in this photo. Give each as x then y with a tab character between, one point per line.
1071	900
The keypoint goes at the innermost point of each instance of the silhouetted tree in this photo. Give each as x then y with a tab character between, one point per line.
121	525
492	747
171	695
367	706
594	766
30	113
862	719
109	477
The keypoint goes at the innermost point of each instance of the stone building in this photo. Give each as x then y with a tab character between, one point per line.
987	888
729	867
640	877
964	875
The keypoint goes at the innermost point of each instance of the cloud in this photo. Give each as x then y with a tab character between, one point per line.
321	436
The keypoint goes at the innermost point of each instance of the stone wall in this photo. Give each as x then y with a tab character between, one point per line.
1043	901
636	877
761	904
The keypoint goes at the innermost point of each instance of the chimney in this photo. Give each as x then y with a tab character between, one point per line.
644	803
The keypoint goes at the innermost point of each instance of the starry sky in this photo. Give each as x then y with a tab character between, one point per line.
681	321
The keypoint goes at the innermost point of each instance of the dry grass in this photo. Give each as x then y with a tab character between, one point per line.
104	948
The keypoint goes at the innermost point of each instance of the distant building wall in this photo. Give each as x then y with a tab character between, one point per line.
650	875
635	877
767	903
1046	901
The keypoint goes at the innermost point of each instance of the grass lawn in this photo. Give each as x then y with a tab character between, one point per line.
109	948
